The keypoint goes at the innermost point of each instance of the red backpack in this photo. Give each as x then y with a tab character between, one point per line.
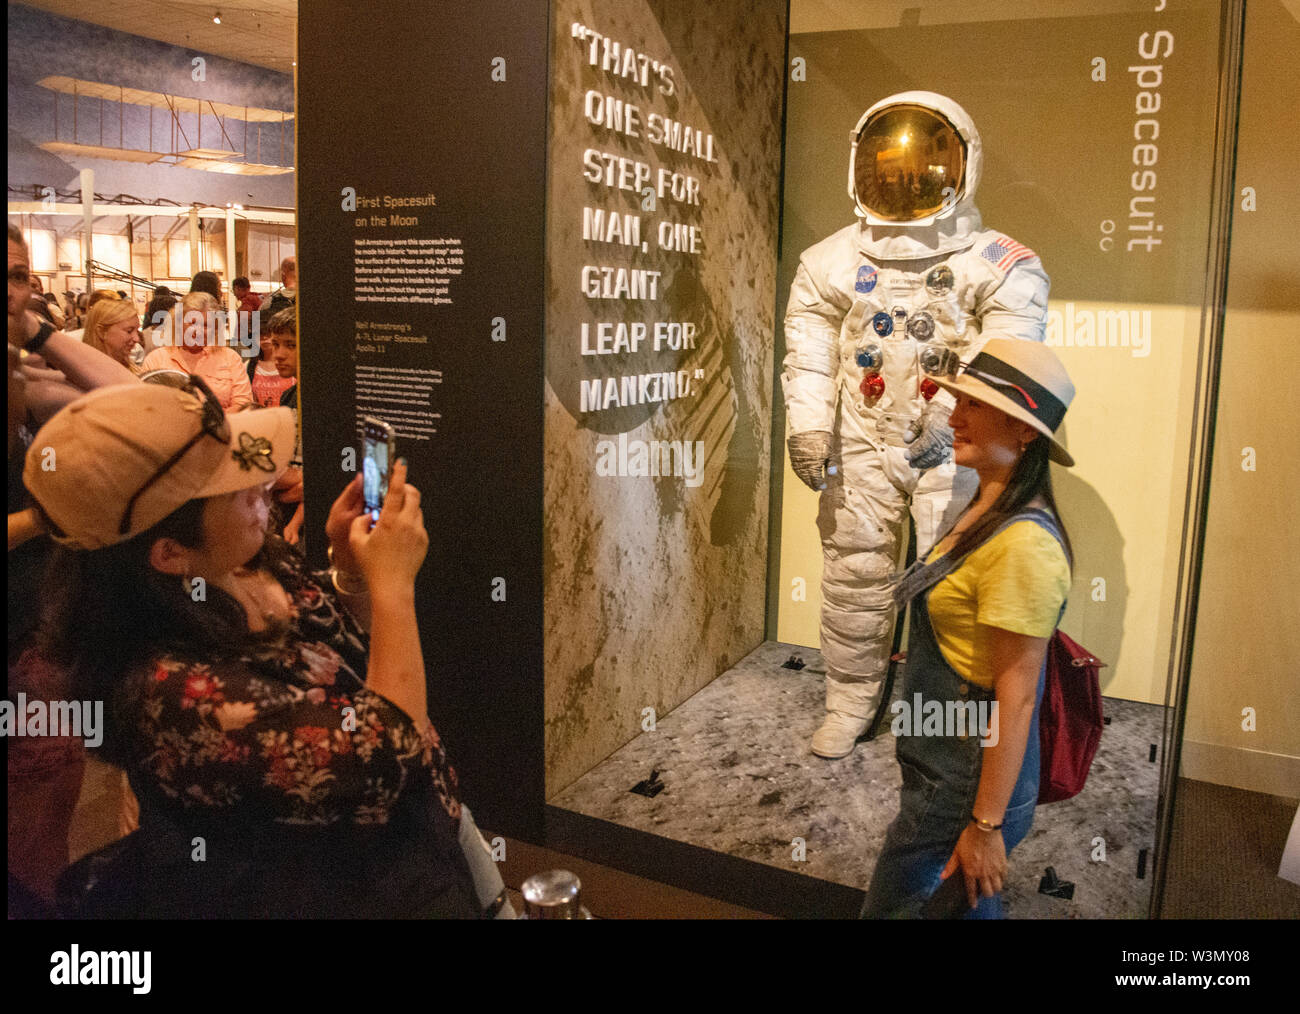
1069	720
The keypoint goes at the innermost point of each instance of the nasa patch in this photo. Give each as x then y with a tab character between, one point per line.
866	279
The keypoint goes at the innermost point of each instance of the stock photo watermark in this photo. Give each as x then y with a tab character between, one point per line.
624	458
77	719
949	719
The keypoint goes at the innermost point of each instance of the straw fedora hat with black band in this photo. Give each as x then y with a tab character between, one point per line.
1024	379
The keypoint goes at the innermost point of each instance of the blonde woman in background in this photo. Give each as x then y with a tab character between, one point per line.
197	348
113	328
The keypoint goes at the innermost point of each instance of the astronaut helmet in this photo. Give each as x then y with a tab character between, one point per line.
915	160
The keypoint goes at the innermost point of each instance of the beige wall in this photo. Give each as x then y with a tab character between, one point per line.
1244	653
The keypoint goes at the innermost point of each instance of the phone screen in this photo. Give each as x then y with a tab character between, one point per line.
376	461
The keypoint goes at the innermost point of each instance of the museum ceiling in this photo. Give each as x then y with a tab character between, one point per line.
260	32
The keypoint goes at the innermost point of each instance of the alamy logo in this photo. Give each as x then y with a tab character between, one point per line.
75	967
626	458
948	719
1115	329
82	719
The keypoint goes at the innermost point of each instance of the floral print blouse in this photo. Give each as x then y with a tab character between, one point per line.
288	734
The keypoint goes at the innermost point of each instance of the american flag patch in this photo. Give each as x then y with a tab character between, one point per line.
1004	252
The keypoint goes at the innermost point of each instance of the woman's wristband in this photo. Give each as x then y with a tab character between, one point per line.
342	589
984	825
340	586
36	342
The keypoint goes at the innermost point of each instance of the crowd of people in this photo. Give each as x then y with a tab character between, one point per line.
199	337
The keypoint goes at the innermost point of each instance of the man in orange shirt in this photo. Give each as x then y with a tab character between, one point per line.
243	291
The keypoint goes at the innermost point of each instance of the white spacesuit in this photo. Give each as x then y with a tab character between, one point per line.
910	291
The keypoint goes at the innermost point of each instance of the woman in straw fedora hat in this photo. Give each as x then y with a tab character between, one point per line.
984	604
241	692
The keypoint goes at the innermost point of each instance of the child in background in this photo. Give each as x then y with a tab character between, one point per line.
282	340
269	384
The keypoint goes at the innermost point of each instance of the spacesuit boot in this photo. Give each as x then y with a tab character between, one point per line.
850	706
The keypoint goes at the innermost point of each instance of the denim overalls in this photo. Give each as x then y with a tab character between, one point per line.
941	773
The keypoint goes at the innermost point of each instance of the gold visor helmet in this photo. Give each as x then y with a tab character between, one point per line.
909	163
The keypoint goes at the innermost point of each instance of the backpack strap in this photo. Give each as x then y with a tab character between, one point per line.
1043	518
1046	520
921	577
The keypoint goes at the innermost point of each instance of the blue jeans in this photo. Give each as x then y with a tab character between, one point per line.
921	839
941	776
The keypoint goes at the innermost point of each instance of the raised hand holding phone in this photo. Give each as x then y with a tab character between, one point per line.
390	553
338	527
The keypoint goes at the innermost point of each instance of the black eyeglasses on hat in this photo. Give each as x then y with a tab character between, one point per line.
212	424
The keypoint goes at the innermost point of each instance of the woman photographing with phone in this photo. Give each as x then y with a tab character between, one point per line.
984	604
256	719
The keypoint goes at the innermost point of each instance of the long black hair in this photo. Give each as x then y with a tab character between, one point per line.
108	613
1031	477
159	305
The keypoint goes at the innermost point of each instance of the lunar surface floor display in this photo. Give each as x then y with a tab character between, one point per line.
739	779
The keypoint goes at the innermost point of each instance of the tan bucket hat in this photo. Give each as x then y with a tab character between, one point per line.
115	462
1025	380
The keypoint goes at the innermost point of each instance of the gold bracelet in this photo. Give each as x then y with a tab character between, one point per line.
334	577
338	586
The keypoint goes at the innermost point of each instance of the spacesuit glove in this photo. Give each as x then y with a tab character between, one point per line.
929	438
808	454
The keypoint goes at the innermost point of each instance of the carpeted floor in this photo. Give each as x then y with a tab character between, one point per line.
1223	861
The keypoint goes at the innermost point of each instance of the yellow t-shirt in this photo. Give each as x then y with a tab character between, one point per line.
1016	581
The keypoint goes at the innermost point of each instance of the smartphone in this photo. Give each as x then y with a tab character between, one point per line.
378	452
